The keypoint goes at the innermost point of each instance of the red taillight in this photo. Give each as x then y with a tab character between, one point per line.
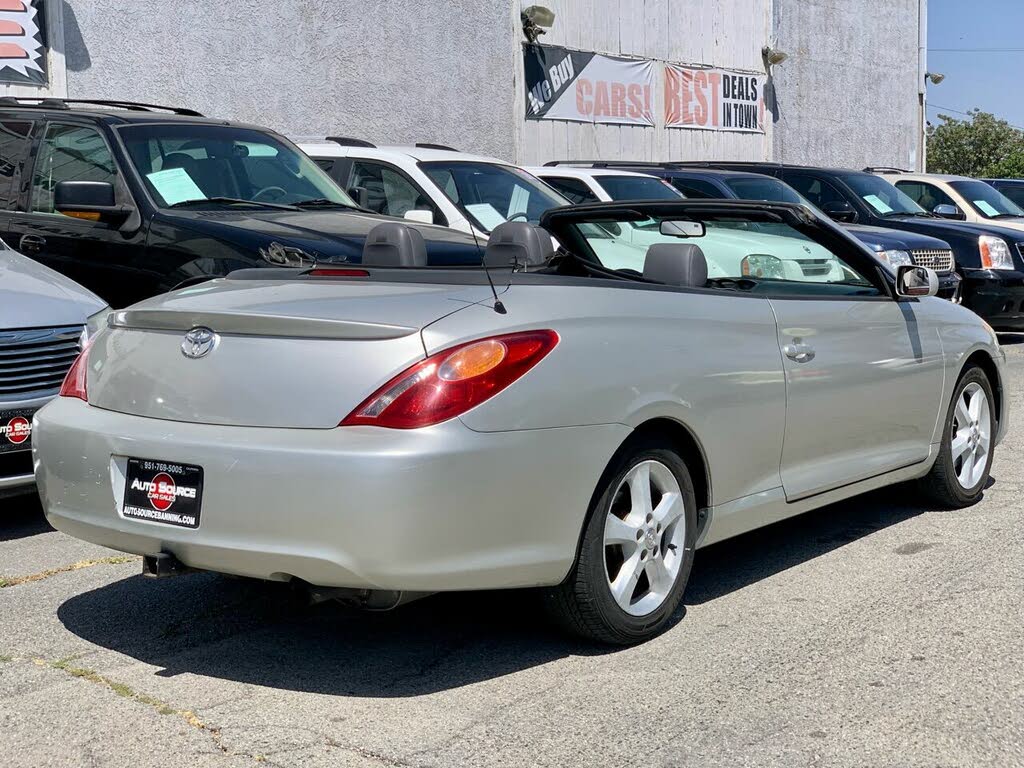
451	382
331	272
74	382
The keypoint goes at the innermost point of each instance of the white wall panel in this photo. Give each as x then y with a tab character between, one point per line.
721	33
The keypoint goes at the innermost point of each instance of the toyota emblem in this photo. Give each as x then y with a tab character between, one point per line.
199	342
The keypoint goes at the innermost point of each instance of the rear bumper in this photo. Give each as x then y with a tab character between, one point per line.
996	295
442	508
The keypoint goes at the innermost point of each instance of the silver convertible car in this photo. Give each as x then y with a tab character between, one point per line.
385	430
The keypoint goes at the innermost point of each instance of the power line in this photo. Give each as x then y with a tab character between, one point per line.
965	114
976	50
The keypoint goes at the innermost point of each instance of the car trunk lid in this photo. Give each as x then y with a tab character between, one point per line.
292	354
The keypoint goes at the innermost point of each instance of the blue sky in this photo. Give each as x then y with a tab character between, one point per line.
990	80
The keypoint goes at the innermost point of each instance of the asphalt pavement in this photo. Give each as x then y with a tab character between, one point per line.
876	632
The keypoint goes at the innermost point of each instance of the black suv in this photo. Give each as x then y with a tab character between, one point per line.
131	200
990	258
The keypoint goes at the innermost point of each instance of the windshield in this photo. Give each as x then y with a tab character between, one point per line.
986	200
637	188
882	196
183	163
773	190
748	251
490	194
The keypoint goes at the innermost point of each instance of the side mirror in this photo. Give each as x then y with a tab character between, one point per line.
361	195
947	211
420	215
682	228
840	210
90	200
914	282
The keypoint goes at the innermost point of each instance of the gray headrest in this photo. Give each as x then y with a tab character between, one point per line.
393	244
680	264
520	243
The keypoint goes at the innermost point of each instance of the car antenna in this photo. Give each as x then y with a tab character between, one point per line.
498	306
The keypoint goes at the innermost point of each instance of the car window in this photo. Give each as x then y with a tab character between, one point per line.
575	191
14	146
388	191
751	257
489	194
695	188
772	190
1014	193
881	196
986	199
926	195
194	162
817	190
638	188
69	153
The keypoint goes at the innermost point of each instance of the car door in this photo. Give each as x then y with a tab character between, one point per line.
94	253
864	378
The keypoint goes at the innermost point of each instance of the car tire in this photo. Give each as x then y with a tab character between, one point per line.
960	473
653	567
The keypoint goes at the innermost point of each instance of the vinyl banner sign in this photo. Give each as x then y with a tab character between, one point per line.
22	47
587	87
714	99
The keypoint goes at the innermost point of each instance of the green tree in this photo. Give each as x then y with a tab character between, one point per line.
982	145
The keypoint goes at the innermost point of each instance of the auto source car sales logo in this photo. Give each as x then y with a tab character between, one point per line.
162	491
17	430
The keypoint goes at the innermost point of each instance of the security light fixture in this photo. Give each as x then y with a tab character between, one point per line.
934	77
534	18
773	56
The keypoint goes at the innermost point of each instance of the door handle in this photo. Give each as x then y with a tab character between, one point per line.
31	243
800	353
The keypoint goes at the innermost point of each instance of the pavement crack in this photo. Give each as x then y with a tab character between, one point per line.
15	581
68	667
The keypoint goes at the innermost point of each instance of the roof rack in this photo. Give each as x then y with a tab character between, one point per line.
885	169
428	145
345	141
60	103
610	163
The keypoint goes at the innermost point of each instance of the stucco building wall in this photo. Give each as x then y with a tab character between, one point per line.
396	71
848	93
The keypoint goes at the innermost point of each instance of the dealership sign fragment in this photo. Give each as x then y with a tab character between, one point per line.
714	99
22	48
587	87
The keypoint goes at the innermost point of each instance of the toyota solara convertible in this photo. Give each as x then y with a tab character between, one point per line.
383	430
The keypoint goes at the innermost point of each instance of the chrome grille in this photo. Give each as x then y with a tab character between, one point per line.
934	258
34	361
815	267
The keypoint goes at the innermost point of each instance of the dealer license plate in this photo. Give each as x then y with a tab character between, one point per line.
163	492
15	430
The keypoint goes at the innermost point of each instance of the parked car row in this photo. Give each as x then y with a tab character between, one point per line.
404	334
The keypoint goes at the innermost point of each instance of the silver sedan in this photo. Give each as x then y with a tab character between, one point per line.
580	421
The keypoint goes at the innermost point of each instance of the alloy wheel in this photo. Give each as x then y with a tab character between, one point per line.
971	435
644	538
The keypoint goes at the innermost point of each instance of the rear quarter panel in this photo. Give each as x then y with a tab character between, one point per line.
706	360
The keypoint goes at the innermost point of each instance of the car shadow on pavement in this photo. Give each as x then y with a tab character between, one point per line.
21	517
742	561
261	633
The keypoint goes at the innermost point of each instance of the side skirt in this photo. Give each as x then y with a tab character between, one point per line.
760	509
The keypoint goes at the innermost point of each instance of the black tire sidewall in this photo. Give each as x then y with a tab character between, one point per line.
591	567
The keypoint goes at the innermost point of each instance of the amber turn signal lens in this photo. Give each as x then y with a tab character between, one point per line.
472	361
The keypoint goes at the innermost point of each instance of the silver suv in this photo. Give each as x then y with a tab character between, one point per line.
45	319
